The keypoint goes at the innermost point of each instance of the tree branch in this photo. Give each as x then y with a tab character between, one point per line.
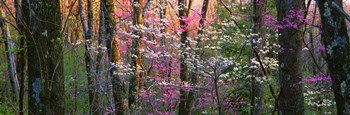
340	10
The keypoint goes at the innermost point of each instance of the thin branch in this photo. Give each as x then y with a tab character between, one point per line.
69	13
145	9
340	10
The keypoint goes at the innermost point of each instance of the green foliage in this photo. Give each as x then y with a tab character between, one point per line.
7	106
3	65
237	45
75	81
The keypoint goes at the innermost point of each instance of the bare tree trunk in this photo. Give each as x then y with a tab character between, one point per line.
21	69
45	62
119	81
135	55
257	91
94	98
183	12
100	54
21	56
334	32
291	99
9	48
194	76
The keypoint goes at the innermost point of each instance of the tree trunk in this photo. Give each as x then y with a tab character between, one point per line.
94	98
257	91
336	40
194	77
118	80
291	99
183	66
135	55
21	56
9	48
45	62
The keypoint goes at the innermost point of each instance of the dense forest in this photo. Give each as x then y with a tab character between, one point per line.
174	57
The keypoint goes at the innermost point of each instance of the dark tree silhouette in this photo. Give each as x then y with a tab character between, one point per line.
291	99
45	57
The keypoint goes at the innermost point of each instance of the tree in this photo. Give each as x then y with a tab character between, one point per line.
135	54
45	62
291	99
94	98
336	40
257	91
194	73
183	13
9	48
119	81
21	56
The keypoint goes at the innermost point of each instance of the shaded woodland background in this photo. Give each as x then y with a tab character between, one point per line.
175	57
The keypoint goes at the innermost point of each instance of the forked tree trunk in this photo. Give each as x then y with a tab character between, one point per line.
94	98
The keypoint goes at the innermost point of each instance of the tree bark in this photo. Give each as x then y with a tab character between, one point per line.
291	99
135	55
336	40
21	56
45	62
9	48
119	81
257	91
183	66
94	98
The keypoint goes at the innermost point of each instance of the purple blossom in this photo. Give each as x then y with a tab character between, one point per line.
316	78
322	48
